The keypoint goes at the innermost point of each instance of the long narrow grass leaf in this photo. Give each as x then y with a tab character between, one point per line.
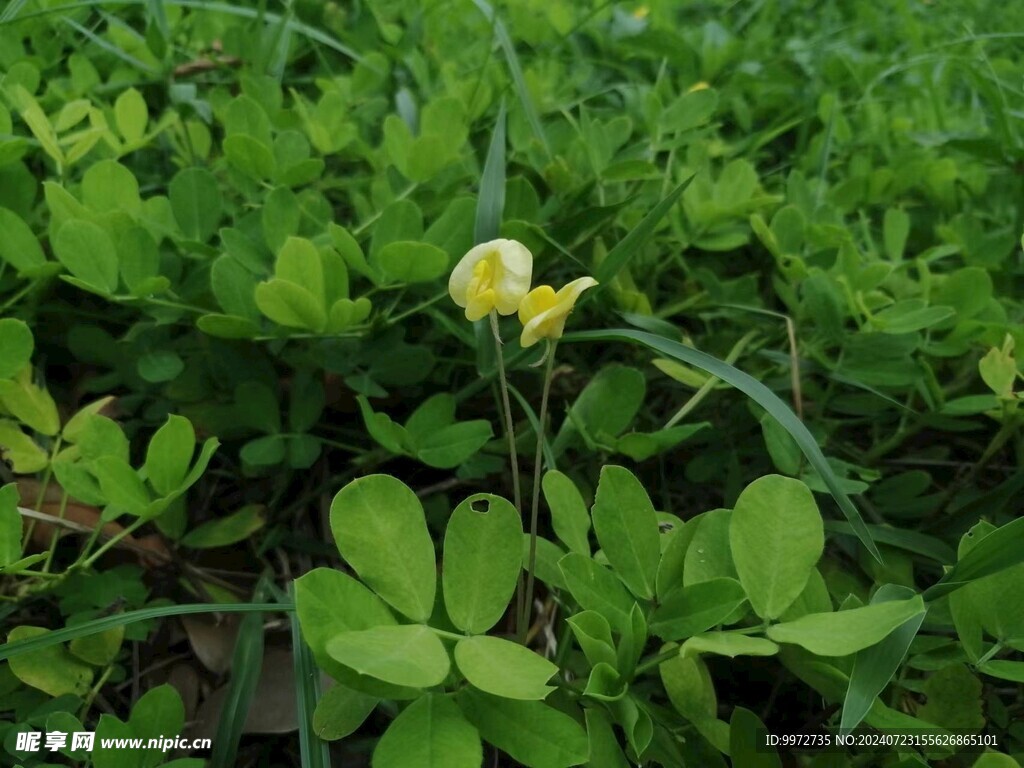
312	749
619	256
246	665
311	33
490	206
1001	549
514	68
9	650
874	667
760	394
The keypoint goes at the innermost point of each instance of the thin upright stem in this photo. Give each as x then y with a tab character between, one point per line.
535	504
513	454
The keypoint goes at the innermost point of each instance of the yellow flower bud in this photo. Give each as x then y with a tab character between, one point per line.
494	275
543	312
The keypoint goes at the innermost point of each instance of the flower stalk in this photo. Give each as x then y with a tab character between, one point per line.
549	369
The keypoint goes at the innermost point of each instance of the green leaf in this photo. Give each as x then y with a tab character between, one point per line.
408	261
731	644
227	326
169	454
50	669
845	632
690	688
160	366
605	751
408	654
607	405
88	253
392	436
874	667
109	186
340	712
909	316
596	589
640	446
299	262
620	256
747	741
20	450
99	436
121	485
483	558
351	252
569	515
696	608
19	247
32	405
531	732
131	116
627	529
1005	670
757	392
895	228
10	525
291	305
225	531
776	537
328	603
504	668
453	445
997	551
99	649
490	205
381	531
250	156
429	733
434	413
594	635
196	202
954	699
16	346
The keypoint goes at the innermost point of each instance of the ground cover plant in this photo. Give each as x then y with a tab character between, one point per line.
541	383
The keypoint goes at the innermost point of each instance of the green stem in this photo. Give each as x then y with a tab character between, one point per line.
535	505
56	533
95	692
513	454
991	652
113	542
655	661
41	496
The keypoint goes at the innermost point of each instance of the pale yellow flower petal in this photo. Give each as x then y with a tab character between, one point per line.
493	275
543	312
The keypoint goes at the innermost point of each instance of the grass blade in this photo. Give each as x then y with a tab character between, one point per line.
915	542
760	394
491	204
1001	549
619	256
873	667
246	665
311	33
313	750
516	71
9	650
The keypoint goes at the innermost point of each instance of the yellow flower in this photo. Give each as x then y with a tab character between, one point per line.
494	275
543	312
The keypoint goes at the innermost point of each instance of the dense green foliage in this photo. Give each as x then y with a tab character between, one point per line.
783	442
